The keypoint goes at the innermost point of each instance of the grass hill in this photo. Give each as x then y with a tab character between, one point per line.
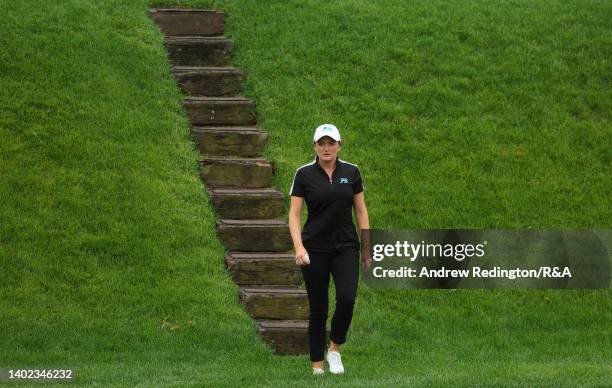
460	114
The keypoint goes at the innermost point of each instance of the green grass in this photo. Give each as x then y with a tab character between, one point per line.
460	114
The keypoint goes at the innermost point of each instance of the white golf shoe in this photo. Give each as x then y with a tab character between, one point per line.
317	371
335	362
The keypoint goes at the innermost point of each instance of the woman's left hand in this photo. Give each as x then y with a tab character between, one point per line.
366	258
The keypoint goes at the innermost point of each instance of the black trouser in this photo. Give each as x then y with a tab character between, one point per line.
344	267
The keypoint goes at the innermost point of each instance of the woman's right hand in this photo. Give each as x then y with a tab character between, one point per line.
299	256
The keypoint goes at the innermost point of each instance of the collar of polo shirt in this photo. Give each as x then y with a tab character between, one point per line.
321	168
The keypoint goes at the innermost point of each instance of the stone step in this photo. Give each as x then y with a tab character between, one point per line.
255	235
263	268
199	50
245	204
176	21
245	142
220	111
208	81
275	303
236	173
289	337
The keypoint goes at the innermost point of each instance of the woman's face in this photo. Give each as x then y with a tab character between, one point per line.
327	149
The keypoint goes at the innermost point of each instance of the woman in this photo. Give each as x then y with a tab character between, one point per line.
328	244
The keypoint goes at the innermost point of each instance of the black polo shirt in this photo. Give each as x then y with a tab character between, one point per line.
329	225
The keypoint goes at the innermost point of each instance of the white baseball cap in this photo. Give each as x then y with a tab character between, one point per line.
327	130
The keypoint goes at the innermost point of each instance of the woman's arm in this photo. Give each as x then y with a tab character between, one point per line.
295	226
361	213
